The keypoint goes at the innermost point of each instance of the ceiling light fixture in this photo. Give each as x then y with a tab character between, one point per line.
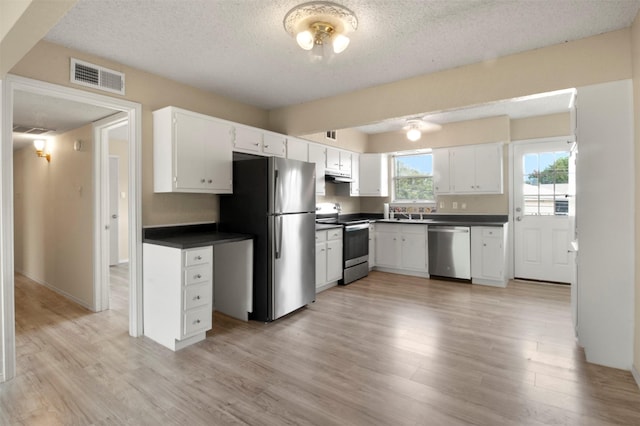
415	128
319	23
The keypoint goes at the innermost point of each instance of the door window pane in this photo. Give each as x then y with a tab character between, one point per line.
546	178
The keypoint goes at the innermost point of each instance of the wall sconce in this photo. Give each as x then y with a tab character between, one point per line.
40	146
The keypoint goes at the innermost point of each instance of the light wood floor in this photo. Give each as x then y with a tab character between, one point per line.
385	350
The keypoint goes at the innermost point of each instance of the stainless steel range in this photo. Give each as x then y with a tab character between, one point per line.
355	241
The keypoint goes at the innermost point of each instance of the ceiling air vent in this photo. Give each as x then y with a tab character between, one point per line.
30	130
331	135
98	77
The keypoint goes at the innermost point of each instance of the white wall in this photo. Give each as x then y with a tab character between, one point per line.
605	223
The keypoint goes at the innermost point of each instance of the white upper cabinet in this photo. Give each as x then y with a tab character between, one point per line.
274	144
259	142
374	175
475	169
354	187
297	149
318	155
191	152
333	159
441	180
338	161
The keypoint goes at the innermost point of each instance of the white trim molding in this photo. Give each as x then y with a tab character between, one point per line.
133	111
636	375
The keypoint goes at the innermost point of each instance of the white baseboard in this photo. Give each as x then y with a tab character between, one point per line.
636	375
62	293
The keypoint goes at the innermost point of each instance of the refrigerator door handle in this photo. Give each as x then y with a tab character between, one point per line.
276	203
278	235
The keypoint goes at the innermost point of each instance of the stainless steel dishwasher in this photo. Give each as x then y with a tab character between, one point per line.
450	251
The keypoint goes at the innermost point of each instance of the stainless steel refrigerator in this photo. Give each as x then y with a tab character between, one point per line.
274	200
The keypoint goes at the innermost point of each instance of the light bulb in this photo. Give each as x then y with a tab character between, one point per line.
414	134
340	43
39	144
305	40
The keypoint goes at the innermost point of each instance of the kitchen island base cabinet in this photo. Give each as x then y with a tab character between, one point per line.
488	256
177	294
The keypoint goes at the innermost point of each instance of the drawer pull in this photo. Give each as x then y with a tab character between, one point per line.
198	257
197	297
198	276
197	321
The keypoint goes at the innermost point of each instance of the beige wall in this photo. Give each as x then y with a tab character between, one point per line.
635	52
349	139
556	67
49	62
120	149
339	193
541	127
54	216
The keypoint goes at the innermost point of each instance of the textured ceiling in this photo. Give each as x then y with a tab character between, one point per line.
239	48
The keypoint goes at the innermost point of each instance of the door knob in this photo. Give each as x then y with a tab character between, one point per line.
519	218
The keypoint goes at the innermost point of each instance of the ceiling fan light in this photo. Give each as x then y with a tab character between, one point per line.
340	43
305	40
414	134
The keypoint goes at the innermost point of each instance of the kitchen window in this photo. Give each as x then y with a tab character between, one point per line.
413	177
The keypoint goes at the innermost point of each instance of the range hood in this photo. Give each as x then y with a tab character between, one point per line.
337	179
337	176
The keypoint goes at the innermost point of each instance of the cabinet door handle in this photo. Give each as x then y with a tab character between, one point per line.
328	248
198	276
266	146
197	321
257	144
210	180
202	180
197	297
198	257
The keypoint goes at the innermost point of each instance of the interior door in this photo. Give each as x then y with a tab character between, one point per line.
114	164
542	229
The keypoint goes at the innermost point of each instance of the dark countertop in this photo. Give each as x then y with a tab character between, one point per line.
452	220
189	236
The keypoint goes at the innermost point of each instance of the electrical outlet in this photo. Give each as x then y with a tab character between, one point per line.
463	206
454	205
442	204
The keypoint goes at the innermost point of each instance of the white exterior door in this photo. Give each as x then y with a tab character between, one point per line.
542	229
114	164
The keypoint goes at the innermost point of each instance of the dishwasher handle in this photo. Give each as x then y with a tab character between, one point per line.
450	229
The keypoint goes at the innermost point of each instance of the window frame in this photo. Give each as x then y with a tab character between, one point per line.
395	178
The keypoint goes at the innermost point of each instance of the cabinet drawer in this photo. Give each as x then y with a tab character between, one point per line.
197	295
198	274
197	320
197	256
321	236
491	232
334	234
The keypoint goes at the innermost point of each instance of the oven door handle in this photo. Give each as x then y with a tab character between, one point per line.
357	227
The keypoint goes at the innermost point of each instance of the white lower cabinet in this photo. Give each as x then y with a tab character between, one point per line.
401	248
177	288
488	255
328	257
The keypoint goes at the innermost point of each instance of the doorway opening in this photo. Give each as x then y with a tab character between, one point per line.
91	192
